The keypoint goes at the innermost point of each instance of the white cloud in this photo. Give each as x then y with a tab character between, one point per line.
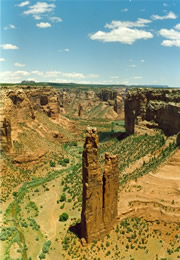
9	46
92	76
142	60
13	76
10	26
56	19
132	65
170	15
170	43
43	25
32	79
124	82
70	75
165	5
21	73
65	50
19	65
52	73
177	26
124	10
122	32
2	59
172	36
115	77
40	8
73	75
22	4
37	17
37	72
137	77
119	24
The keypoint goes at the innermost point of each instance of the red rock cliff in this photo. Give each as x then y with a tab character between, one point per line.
160	105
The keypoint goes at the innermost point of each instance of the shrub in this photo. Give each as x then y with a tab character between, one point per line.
107	244
14	193
42	256
62	206
52	164
63	197
62	163
66	160
63	217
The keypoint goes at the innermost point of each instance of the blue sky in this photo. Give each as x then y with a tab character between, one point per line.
89	41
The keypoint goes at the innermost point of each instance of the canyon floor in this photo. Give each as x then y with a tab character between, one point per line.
35	193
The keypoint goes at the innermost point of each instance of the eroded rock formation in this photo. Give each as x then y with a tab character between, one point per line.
160	105
100	191
5	134
110	191
21	108
101	103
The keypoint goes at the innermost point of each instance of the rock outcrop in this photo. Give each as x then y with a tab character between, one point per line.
20	110
178	139
45	99
100	191
110	191
5	128
5	134
160	106
92	103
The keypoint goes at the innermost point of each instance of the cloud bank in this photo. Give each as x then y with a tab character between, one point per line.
123	32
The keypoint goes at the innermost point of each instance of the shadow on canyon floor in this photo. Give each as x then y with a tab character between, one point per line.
76	229
111	134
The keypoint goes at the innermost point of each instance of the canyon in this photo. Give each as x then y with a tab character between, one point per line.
102	164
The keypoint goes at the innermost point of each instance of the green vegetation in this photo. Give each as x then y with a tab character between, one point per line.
23	214
52	164
63	217
64	162
63	197
45	249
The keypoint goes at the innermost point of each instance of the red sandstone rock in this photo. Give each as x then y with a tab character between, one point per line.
159	105
100	192
110	191
91	217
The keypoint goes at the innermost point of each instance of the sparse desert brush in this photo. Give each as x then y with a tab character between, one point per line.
63	217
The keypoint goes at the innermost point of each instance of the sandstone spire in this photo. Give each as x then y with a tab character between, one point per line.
100	191
110	191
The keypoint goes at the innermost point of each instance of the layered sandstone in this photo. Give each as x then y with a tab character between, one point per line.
5	134
92	215
20	109
110	191
159	105
85	103
100	191
5	128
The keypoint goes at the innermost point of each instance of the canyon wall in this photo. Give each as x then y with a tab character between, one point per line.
100	191
85	103
159	105
19	105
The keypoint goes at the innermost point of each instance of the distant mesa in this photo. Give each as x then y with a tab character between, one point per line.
26	82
